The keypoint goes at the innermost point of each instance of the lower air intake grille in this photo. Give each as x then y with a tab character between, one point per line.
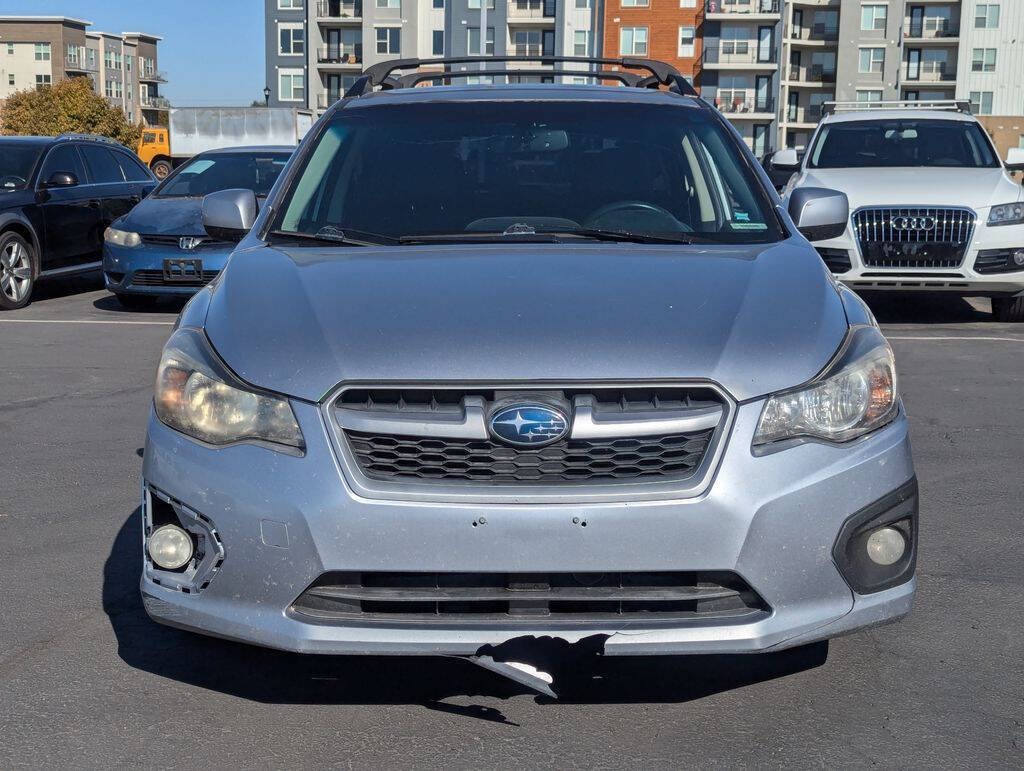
998	261
528	596
156	278
836	260
913	237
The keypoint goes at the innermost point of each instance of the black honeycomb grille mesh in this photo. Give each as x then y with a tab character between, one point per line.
388	457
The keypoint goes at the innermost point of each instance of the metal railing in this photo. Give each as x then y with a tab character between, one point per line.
929	74
340	54
809	114
813	74
924	31
738	106
334	9
154	75
740	52
155	102
747	7
529	9
815	33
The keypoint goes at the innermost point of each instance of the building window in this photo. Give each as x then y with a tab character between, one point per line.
981	102
439	4
42	52
583	5
983	60
10	49
475	5
108	88
292	39
292	86
389	39
635	3
438	47
872	60
736	40
525	42
10	79
1020	141
580	42
686	37
869	96
128	63
687	3
633	41
290	5
389	3
72	54
44	80
986	16
873	17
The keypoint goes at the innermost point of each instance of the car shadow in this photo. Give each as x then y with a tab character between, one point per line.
277	677
925	308
162	305
54	288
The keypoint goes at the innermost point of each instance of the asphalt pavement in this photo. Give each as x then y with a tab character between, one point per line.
87	680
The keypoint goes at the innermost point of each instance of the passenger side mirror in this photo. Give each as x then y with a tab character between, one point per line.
786	160
819	213
62	179
228	215
1015	159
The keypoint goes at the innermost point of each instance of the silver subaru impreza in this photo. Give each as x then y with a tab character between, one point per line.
497	364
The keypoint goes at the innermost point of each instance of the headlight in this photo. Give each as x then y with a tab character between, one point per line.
121	237
855	395
197	395
1006	214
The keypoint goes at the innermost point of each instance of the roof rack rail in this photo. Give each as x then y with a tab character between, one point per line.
953	105
86	137
380	74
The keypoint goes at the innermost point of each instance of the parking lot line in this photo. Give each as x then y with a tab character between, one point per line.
958	337
88	321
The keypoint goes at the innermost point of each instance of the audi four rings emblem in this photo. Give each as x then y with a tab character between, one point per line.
913	223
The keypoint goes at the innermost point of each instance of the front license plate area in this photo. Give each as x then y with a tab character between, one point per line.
183	271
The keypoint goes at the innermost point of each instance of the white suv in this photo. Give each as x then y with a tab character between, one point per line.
932	207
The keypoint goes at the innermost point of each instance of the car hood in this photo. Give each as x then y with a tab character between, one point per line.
299	321
975	188
165	216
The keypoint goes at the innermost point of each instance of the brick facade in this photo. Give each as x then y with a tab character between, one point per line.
662	20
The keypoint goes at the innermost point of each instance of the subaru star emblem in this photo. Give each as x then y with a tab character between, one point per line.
188	243
913	223
529	425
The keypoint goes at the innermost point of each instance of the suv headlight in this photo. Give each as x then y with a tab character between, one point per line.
1006	214
121	237
197	395
854	395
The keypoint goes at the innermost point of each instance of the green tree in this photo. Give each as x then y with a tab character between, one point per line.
67	106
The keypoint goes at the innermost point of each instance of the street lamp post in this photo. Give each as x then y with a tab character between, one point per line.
266	95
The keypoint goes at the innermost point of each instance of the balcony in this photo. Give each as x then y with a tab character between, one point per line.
79	64
153	76
813	75
529	11
738	55
808	116
154	103
752	10
815	34
930	73
744	106
335	10
346	56
932	30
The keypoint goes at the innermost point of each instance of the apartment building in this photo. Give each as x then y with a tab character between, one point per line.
668	30
738	67
37	51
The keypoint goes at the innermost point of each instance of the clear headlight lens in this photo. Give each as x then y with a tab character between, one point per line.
1006	214
197	395
121	237
857	394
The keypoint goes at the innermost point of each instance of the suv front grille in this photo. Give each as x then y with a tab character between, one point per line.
156	278
913	237
528	597
378	427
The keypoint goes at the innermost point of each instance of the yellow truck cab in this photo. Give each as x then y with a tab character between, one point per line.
155	150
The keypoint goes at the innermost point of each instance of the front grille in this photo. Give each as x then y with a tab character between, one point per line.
528	597
384	452
156	278
165	240
913	237
836	260
991	261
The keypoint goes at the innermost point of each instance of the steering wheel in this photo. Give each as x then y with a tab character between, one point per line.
13	179
617	206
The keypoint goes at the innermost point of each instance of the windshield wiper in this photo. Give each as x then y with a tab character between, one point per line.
623	235
482	237
333	235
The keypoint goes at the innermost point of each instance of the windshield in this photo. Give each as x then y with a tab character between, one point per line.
891	143
209	173
16	164
513	168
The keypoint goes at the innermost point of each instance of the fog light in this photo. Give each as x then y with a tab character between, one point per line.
170	547
1018	258
886	545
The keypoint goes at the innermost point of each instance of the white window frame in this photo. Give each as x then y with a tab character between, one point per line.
983	60
872	60
577	42
290	5
987	15
874	8
474	5
636	3
387	40
977	99
42	52
634	47
43	79
687	3
291	26
869	95
687	50
389	4
289	95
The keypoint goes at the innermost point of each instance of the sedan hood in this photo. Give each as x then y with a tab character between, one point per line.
165	217
299	321
975	188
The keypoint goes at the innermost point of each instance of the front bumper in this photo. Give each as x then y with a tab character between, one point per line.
124	268
963	280
772	519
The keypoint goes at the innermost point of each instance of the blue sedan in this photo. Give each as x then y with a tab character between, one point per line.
160	248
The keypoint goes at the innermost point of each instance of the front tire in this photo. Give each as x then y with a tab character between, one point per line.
17	271
161	169
1009	309
136	302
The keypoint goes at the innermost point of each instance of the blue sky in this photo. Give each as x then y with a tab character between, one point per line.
212	50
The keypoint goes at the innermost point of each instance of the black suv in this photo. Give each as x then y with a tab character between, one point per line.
57	195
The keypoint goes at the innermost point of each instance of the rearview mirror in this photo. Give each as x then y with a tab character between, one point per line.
819	213
786	160
62	179
228	215
1015	159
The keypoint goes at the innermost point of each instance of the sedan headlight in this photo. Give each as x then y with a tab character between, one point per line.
1006	214
197	395
854	395
121	237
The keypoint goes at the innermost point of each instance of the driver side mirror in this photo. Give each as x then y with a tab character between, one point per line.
61	179
819	213
1015	159
786	160
228	215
